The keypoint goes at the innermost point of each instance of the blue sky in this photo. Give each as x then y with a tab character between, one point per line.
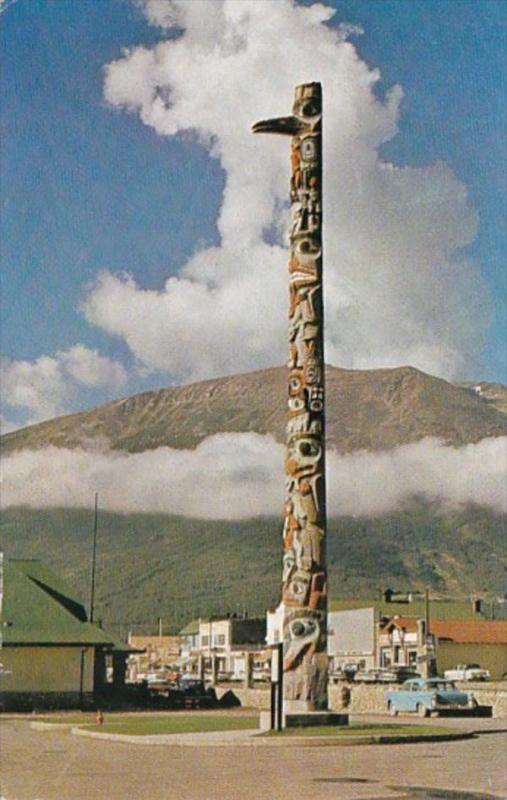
88	188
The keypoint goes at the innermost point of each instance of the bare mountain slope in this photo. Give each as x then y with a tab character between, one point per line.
367	409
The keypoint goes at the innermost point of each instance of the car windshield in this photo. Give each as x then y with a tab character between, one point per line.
440	686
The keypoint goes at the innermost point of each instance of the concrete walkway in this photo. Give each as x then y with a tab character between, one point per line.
207	739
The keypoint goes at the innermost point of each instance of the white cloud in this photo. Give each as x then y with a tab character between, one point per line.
89	368
5	4
240	475
226	476
398	288
365	483
48	386
38	386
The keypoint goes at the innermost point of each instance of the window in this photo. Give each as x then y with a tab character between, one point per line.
204	641
220	639
412	658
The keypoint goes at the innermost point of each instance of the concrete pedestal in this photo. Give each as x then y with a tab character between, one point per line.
310	719
306	719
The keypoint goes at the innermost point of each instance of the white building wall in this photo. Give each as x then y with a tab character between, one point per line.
274	626
351	632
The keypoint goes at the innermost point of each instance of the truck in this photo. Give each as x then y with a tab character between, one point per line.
467	672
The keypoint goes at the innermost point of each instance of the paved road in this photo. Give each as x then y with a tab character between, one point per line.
58	766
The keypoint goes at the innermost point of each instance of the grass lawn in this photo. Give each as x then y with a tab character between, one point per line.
184	723
361	730
139	724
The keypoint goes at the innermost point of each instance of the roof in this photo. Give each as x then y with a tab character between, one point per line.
474	631
152	640
408	624
192	629
40	608
439	609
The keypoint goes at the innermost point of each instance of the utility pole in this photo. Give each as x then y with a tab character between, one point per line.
94	551
304	578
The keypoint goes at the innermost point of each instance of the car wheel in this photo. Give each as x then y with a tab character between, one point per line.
422	711
392	710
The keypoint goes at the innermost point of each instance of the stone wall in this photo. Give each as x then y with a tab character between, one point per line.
368	698
364	698
250	698
489	694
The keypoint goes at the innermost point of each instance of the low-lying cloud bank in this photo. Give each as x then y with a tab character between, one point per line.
240	475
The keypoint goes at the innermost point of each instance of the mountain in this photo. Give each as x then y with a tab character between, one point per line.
156	565
366	409
493	393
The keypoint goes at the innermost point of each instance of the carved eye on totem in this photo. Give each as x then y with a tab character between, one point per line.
295	385
308	149
303	628
296	404
310	108
308	449
307	251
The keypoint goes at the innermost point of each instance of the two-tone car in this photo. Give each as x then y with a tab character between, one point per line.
425	696
467	672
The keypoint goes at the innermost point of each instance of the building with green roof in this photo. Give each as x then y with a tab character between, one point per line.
51	655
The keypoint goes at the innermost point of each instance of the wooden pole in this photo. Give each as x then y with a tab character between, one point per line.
94	553
304	580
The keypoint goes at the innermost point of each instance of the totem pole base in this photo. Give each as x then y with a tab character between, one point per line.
308	719
313	719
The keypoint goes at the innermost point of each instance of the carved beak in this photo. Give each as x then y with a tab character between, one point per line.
286	126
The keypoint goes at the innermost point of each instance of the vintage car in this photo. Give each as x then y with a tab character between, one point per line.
428	695
191	692
396	674
467	672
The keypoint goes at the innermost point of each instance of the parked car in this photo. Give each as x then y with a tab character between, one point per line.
396	674
376	676
428	695
192	693
467	672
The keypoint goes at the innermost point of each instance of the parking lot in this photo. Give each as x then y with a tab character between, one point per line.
55	765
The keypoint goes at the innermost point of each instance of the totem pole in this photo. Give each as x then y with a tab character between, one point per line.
304	599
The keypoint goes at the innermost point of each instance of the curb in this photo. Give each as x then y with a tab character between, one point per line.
252	739
52	726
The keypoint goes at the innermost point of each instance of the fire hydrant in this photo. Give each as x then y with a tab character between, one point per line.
99	719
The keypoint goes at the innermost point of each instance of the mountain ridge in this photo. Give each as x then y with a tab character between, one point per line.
366	410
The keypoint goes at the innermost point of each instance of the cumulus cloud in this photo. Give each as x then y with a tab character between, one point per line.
398	288
5	4
238	476
48	386
89	368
